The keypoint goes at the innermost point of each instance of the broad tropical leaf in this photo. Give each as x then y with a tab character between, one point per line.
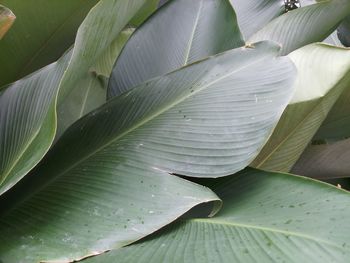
208	119
253	15
300	220
28	107
6	20
304	25
29	45
82	214
201	28
323	74
325	161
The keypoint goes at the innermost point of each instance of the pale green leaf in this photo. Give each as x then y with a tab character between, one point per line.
323	74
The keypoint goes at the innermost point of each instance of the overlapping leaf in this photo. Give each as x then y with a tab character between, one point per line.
325	161
299	221
304	25
253	15
129	145
323	74
180	33
25	113
44	30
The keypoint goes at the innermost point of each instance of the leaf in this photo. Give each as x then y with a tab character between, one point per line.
337	124
31	103
208	119
323	74
304	25
146	10
87	96
79	215
91	90
344	32
6	20
201	28
301	220
325	161
28	122
253	15
29	45
104	64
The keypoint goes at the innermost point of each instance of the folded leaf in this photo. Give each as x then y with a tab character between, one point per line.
6	20
325	161
301	220
304	25
323	74
166	41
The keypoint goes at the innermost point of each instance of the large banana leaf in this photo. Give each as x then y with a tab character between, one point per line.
91	211
325	161
323	74
223	108
253	15
209	119
28	119
300	220
6	20
44	30
180	33
304	25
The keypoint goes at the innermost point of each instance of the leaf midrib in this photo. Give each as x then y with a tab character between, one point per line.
267	229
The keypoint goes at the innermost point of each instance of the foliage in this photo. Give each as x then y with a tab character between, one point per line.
128	127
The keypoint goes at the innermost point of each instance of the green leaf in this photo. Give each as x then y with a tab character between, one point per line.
28	122
146	10
79	215
91	90
323	74
201	28
325	161
344	32
253	15
6	20
300	220
337	124
104	64
31	102
208	119
304	25
43	31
